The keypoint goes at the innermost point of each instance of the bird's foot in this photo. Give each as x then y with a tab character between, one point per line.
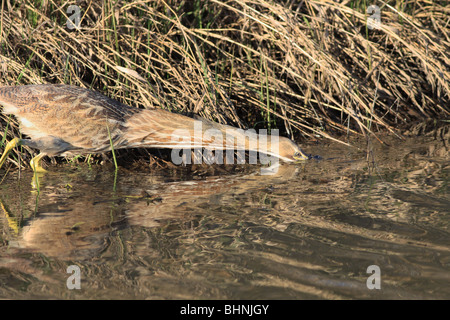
36	181
35	164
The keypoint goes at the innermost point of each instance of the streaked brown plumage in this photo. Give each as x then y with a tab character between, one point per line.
66	120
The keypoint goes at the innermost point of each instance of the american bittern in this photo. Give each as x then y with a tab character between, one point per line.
66	120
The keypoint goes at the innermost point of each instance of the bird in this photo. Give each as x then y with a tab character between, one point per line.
66	120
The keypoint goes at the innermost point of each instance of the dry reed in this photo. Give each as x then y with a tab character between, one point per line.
310	68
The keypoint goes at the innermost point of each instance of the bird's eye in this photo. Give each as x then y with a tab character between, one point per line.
300	156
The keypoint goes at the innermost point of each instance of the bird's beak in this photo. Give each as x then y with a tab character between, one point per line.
301	156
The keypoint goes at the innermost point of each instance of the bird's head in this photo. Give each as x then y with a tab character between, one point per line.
289	151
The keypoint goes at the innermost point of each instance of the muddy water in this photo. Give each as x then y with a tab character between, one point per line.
307	232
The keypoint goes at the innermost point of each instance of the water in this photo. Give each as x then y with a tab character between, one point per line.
308	232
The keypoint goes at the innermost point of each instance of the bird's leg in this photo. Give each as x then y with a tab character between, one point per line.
11	145
35	163
36	180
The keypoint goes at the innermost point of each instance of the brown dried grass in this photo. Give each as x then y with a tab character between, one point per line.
311	68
